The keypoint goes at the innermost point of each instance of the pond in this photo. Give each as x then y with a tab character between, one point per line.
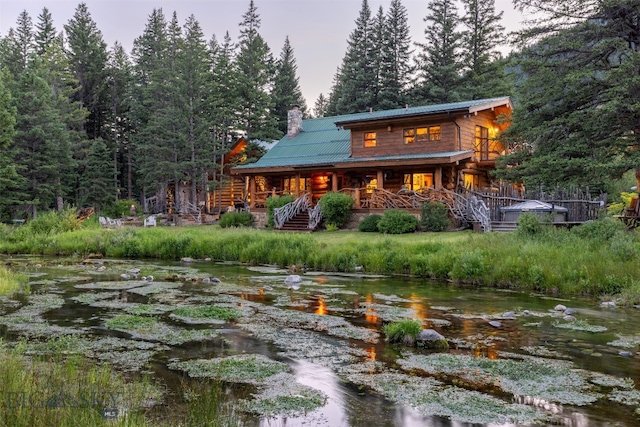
313	352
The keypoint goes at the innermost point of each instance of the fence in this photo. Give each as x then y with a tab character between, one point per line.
580	204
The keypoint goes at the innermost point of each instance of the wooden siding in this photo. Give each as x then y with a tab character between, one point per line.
390	140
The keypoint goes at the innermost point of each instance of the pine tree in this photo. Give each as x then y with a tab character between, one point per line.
355	82
256	68
95	188
46	33
439	64
485	74
320	107
119	82
286	88
9	178
24	38
43	155
578	93
151	98
195	66
88	56
396	67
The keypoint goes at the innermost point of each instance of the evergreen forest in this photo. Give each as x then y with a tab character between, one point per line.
86	124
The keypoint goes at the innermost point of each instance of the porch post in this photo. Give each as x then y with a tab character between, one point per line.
334	182
356	196
252	192
437	179
297	187
380	177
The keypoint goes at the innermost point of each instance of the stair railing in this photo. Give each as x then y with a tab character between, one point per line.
288	211
315	217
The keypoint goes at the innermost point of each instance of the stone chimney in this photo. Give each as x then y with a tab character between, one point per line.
294	121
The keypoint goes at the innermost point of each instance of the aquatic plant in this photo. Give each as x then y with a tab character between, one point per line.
208	312
580	325
283	396
404	331
69	391
11	283
552	380
206	405
127	322
431	397
244	368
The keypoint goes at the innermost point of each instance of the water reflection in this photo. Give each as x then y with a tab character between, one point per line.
365	304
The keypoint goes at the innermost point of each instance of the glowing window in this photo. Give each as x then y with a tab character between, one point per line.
422	134
416	181
369	139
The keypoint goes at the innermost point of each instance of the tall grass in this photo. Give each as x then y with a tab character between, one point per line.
69	392
11	283
595	258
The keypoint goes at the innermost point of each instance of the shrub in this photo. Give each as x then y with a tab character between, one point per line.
236	219
336	208
370	223
121	208
395	221
276	202
529	224
603	229
48	223
434	217
404	331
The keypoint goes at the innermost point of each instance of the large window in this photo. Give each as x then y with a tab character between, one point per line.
482	143
369	139
416	181
291	185
421	134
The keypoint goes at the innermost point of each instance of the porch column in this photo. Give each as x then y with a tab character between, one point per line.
356	196
437	179
252	192
297	186
334	182
380	179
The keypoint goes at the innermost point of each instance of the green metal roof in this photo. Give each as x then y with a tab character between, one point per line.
323	142
469	106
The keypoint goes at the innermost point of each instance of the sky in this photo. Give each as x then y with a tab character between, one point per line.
318	30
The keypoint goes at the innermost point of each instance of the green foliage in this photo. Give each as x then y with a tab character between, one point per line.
11	283
470	266
71	376
601	230
208	312
529	224
130	321
276	202
336	208
404	331
570	101
434	217
236	219
121	208
48	223
396	221
369	223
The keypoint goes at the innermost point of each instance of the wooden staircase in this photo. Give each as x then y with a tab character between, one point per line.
300	222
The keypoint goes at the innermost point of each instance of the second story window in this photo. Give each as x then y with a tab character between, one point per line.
421	134
369	139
